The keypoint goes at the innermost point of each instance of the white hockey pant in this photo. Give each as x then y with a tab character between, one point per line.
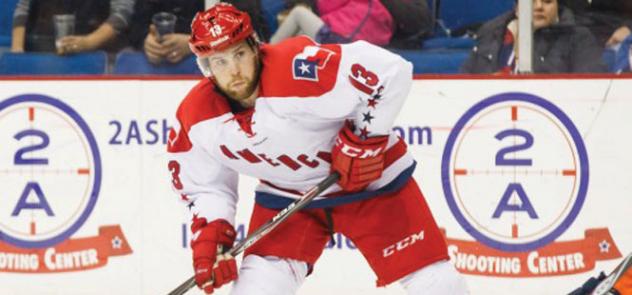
274	276
269	276
438	278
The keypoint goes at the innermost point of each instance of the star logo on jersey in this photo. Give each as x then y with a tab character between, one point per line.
305	65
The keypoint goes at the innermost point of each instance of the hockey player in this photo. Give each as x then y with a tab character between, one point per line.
289	114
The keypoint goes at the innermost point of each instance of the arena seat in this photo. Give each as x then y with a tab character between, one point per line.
453	18
270	9
6	21
93	63
608	56
449	43
135	63
459	14
441	61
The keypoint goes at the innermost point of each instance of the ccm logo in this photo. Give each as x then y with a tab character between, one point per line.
401	245
355	152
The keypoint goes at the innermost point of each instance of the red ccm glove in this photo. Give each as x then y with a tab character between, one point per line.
358	161
208	261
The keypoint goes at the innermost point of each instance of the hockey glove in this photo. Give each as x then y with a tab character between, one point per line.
208	261
359	162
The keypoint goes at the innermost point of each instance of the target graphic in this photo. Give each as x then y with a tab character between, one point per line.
50	171
515	172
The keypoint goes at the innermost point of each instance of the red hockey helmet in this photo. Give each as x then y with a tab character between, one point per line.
218	28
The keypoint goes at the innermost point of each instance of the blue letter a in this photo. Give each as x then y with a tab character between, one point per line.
23	204
524	200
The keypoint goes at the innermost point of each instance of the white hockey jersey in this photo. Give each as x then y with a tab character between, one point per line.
307	91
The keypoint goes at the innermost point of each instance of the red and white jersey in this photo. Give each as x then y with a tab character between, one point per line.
307	91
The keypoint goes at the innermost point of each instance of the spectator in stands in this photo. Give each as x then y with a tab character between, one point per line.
609	20
413	22
559	45
172	48
340	21
98	25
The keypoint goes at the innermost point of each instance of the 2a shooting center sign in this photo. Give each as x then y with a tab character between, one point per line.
50	174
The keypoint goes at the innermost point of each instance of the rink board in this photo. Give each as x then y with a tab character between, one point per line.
529	178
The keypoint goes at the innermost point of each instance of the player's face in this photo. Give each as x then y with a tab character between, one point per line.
235	70
544	13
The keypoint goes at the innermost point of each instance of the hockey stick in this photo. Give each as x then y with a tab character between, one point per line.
606	286
297	205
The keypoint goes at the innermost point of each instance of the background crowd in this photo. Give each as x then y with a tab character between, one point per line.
570	36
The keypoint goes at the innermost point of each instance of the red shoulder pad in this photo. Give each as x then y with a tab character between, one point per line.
200	104
299	67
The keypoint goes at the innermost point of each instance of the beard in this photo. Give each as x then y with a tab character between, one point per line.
251	84
244	92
